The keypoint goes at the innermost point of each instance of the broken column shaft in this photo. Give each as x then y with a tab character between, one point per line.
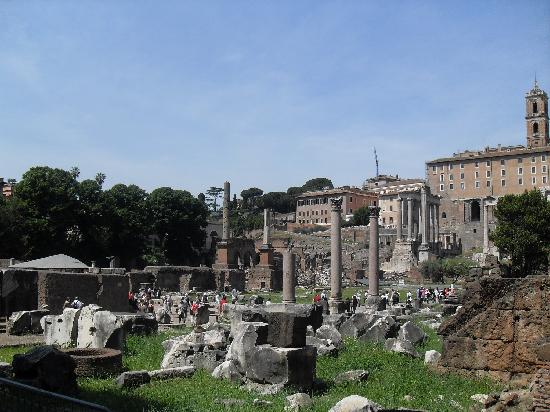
226	195
335	252
374	263
289	277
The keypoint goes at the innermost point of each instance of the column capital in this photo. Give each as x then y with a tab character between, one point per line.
374	211
336	203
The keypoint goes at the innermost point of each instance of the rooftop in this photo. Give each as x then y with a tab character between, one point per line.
492	152
52	262
336	191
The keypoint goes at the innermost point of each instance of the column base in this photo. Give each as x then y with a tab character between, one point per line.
336	306
288	302
423	253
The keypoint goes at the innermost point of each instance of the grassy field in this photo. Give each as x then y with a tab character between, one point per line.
392	376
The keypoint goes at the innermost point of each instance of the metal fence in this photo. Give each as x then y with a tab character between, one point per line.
17	397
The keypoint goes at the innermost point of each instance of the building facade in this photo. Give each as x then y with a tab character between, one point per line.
470	182
314	207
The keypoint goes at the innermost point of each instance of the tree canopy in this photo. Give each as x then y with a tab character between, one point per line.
523	231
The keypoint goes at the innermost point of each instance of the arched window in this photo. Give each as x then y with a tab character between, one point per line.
444	215
535	127
535	108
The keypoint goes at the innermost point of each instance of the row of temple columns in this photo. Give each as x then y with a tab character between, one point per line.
428	219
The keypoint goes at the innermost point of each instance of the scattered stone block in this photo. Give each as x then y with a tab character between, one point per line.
330	333
297	402
401	346
19	323
133	379
264	389
432	357
171	373
383	328
324	346
228	370
359	375
61	330
355	403
46	367
409	331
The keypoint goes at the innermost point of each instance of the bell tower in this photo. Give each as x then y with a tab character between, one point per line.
536	117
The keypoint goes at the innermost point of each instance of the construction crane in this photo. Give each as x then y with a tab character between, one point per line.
376	160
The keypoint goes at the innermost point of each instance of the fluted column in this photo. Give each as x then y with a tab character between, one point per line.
374	264
267	226
399	218
424	216
226	195
486	228
410	219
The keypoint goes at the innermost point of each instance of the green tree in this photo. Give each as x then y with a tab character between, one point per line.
456	267
14	240
319	183
432	270
249	195
51	207
178	220
213	195
361	216
126	216
523	231
280	202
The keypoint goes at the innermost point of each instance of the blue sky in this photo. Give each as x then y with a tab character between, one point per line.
262	93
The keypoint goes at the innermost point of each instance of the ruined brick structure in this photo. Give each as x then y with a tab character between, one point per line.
186	278
18	291
541	382
499	329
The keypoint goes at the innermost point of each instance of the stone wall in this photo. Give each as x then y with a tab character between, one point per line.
108	291
138	277
502	323
18	291
185	278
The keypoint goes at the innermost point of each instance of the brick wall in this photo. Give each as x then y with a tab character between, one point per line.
108	291
498	330
18	291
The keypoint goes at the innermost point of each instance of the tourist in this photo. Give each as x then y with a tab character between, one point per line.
395	298
184	307
348	305
223	301
77	304
354	303
323	295
316	298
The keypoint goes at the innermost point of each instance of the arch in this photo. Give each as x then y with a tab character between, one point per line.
535	127
535	107
475	211
444	215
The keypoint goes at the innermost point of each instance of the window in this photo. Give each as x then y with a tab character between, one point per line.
434	168
503	172
440	167
533	159
534	180
451	186
391	219
441	178
520	160
462	165
520	170
350	199
462	185
520	181
477	185
543	158
502	162
351	211
488	173
503	182
477	164
477	174
462	175
544	179
326	220
444	215
450	167
488	183
441	188
488	163
384	220
533	169
535	128
544	168
391	208
535	108
307	213
451	177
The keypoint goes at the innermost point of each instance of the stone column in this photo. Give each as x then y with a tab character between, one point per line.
486	228
410	219
267	226
437	225
432	224
374	264
399	219
424	249
289	277
226	196
335	254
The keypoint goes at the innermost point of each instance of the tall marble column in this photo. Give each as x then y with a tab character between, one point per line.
335	254
410	219
399	218
226	196
424	249
289	277
486	228
267	227
436	223
374	264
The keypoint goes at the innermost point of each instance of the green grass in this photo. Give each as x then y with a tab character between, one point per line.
392	376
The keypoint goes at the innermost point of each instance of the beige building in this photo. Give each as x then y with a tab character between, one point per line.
314	207
468	181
